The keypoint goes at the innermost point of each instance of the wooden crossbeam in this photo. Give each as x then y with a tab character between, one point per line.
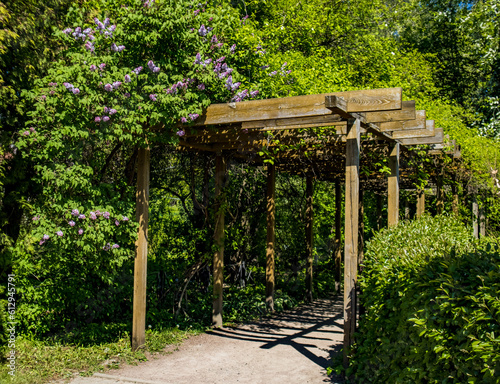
428	131
417	123
407	112
436	139
300	106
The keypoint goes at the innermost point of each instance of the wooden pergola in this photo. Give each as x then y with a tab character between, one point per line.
318	136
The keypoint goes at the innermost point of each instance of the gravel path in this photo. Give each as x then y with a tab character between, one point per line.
293	348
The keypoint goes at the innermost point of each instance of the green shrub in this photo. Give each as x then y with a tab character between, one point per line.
432	299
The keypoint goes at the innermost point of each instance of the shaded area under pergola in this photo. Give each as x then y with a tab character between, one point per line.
319	137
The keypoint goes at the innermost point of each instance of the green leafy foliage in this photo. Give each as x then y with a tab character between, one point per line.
432	315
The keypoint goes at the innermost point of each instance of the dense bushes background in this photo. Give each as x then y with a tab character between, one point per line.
432	299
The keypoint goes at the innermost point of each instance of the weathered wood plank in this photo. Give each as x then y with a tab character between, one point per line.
420	202
271	219
300	106
351	233
437	139
428	131
417	123
407	112
393	187
309	238
218	262
141	250
338	235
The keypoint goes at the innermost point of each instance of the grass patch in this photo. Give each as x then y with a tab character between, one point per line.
39	361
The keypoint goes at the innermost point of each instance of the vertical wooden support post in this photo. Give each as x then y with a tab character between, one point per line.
407	208
475	217
393	188
309	238
420	202
454	192
482	222
361	243
141	251
338	235
439	196
271	219
218	264
351	233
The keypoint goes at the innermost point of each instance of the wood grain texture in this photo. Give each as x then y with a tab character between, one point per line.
351	233
417	123
420	202
300	106
407	112
218	261
436	139
141	250
428	131
309	238
393	187
271	220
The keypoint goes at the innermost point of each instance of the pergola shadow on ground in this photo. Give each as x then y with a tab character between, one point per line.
319	137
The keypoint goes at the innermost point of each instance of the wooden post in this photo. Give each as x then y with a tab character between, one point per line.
309	238
141	250
218	267
475	217
407	208
482	222
439	196
420	202
338	235
271	218
351	233
454	192
361	243
393	188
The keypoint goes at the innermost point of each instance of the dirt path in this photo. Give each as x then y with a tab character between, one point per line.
292	348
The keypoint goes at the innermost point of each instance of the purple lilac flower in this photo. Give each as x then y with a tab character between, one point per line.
153	97
156	69
112	28
81	216
125	218
181	133
114	47
97	119
76	91
106	109
117	84
67	30
105	118
32	129
151	65
127	94
89	46
46	237
59	233
221	59
214	39
127	79
80	231
233	49
183	120
75	212
115	246
201	87
207	61
92	216
98	213
108	87
230	86
273	73
202	31
87	31
264	67
196	12
198	59
106	247
137	70
102	66
71	223
112	111
193	116
93	67
117	223
254	93
106	215
106	22
26	133
35	218
42	242
98	23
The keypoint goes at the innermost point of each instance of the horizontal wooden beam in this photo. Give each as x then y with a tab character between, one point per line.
417	123
436	139
300	106
407	112
428	131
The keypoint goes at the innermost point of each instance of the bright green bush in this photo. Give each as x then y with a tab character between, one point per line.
432	299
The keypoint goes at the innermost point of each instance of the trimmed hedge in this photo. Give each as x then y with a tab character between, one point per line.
432	299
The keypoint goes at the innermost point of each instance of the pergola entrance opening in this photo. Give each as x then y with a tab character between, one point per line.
317	136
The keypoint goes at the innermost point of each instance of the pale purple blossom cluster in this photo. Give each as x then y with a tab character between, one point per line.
230	85
104	27
117	48
203	31
70	87
199	61
222	70
152	96
180	85
152	67
148	3
181	132
137	70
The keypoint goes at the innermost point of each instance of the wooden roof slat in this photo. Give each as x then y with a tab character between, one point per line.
428	131
407	112
300	106
436	139
417	123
